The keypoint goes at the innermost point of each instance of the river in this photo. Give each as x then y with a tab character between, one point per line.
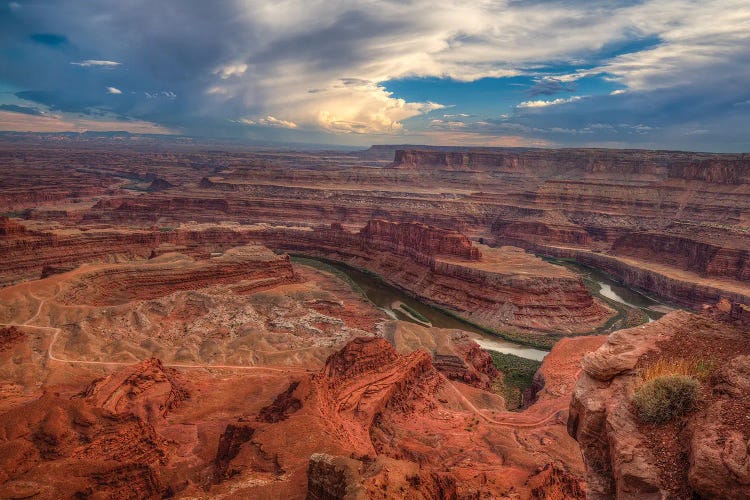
390	300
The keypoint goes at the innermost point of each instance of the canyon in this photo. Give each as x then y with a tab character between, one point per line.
178	321
674	224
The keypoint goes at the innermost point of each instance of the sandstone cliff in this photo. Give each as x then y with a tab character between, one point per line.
121	283
55	447
703	454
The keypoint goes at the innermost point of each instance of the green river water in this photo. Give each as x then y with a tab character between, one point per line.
389	299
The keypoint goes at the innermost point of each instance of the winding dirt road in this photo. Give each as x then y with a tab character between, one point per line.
506	423
56	331
511	421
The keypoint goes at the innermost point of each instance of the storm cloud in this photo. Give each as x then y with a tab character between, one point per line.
654	73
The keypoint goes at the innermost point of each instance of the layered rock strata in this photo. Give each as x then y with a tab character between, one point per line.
120	283
104	442
496	288
673	223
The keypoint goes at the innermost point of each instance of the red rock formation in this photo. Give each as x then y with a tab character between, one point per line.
120	283
343	477
417	237
713	168
10	335
700	454
9	227
502	289
58	448
159	184
376	424
706	258
469	363
146	389
543	233
625	203
554	483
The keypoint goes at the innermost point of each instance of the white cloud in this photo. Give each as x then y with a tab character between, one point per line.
113	90
74	123
293	51
544	104
93	62
325	65
217	90
14	6
691	51
269	121
230	70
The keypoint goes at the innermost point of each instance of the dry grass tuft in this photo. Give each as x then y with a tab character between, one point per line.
693	367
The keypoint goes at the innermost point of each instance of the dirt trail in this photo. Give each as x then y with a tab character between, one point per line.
511	422
56	331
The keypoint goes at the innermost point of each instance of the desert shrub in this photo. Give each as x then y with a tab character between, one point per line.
666	397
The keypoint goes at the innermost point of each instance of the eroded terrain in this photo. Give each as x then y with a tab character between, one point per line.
157	339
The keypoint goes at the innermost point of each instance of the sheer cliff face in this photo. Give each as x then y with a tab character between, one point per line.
637	208
711	168
428	240
702	454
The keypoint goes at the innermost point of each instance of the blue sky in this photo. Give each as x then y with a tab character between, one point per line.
654	73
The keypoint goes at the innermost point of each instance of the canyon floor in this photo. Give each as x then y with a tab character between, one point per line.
180	322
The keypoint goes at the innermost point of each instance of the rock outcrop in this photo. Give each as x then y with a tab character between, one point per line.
110	284
672	223
10	335
147	389
9	227
703	454
347	478
54	447
419	240
377	424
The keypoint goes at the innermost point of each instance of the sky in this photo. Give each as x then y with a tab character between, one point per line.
666	74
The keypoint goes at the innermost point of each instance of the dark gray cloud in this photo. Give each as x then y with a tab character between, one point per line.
26	110
551	86
51	39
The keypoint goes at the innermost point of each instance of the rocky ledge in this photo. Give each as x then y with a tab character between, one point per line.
108	284
702	454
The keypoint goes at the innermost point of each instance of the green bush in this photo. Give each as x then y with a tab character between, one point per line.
518	375
664	398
